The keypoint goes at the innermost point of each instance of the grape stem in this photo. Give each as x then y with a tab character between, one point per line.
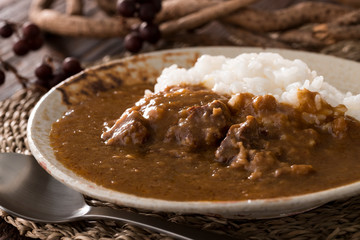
8	67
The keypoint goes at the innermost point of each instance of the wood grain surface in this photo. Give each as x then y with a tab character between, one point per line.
86	49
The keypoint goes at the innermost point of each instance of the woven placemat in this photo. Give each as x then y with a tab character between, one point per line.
336	220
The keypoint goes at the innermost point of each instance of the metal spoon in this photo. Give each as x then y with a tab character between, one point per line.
28	192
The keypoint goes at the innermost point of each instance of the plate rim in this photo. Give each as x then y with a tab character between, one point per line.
242	208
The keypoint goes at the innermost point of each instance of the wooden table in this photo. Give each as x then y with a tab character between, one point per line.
85	49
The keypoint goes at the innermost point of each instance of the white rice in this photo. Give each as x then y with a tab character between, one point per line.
259	74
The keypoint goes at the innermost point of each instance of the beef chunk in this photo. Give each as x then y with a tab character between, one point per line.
265	103
242	103
239	136
200	125
257	150
191	116
248	104
130	129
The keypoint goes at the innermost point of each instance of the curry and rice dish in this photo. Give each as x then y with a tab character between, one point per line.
190	141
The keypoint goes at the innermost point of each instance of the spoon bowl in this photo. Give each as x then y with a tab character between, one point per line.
28	191
34	194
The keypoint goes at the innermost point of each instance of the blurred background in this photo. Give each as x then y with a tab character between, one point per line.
94	31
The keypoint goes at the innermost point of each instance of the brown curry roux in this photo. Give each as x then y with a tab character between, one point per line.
189	143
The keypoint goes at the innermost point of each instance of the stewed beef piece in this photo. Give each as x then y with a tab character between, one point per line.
130	129
200	126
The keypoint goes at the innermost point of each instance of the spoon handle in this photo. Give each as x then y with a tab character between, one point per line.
175	230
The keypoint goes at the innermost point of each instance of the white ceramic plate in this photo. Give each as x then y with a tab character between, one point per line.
341	73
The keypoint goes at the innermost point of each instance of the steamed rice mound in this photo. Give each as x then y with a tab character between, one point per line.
259	74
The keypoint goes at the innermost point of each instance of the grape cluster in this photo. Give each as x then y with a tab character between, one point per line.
47	77
147	31
29	38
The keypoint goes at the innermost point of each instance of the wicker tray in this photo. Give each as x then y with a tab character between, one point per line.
336	220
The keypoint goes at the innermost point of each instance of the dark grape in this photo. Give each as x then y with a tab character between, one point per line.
30	31
58	78
126	8
21	47
44	72
133	42
6	30
2	77
147	12
71	66
43	83
35	43
149	32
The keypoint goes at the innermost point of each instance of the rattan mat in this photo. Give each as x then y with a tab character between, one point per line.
336	220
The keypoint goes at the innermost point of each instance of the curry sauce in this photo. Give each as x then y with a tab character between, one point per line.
188	143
